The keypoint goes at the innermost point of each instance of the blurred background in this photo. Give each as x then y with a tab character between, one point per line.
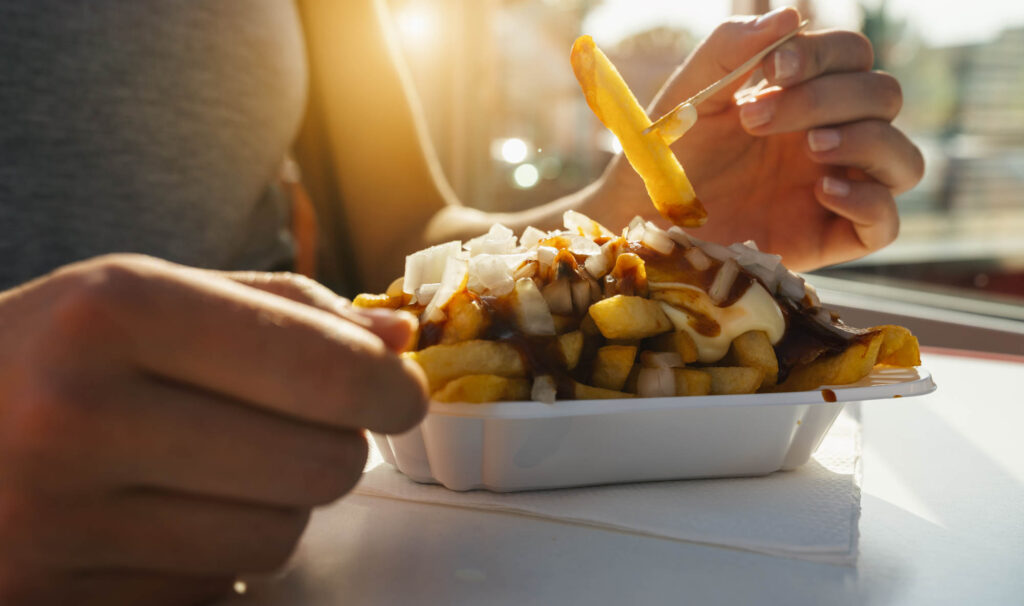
512	129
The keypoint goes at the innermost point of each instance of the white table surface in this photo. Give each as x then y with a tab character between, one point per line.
942	523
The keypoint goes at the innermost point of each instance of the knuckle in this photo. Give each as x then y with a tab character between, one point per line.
94	294
46	420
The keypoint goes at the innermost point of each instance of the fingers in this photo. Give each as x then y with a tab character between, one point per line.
869	210
394	328
809	55
150	531
208	445
215	334
874	146
729	46
829	99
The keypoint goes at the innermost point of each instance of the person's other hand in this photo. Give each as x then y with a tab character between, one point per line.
163	428
808	168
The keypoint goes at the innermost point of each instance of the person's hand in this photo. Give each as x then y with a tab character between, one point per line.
809	168
163	428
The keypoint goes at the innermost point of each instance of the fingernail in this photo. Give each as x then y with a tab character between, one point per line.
786	64
823	139
767	17
835	187
757	113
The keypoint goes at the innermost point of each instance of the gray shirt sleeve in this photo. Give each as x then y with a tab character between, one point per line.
154	127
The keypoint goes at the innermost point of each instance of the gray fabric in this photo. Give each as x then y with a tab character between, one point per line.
153	126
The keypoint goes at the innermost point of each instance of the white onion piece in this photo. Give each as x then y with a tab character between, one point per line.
498	240
425	293
581	295
697	258
657	239
767	276
527	270
655	382
723	282
585	226
597	265
532	236
490	275
681	237
716	251
546	256
661	359
558	296
791	286
582	245
812	294
452	281
635	232
532	313
544	389
427	265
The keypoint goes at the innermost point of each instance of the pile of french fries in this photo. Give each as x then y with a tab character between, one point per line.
585	314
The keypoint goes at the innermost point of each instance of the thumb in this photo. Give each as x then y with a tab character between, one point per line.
729	46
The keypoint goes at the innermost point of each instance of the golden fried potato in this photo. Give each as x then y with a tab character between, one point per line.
443	363
467	319
841	369
899	347
679	342
477	389
582	391
612	366
753	349
734	379
571	344
614	104
366	301
624	317
690	382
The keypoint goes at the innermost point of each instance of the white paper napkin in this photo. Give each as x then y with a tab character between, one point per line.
810	513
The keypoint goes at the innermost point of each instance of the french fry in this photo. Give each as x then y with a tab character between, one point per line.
478	389
624	317
843	368
690	382
466	319
753	349
443	363
612	366
614	104
734	379
899	347
366	301
679	342
582	391
571	344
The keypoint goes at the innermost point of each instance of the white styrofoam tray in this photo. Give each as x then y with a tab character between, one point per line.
510	446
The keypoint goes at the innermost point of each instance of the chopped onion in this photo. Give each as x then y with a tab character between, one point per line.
558	295
453	280
546	256
544	389
697	258
582	245
681	237
716	251
791	286
532	236
583	225
581	295
812	294
723	282
661	359
425	293
490	275
427	265
636	229
597	265
657	239
655	382
532	313
527	270
498	240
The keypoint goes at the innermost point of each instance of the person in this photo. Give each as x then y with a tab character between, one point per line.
168	420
